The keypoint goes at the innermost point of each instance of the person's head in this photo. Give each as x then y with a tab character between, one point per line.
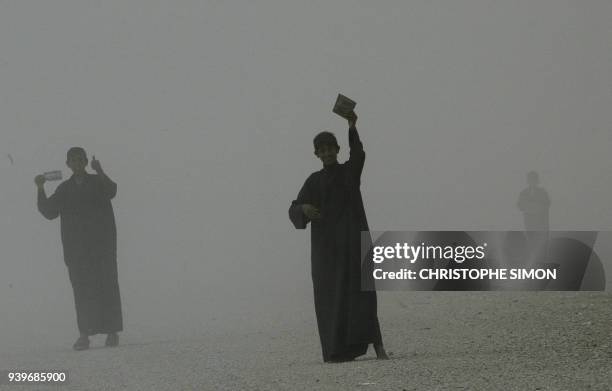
76	159
532	178
326	148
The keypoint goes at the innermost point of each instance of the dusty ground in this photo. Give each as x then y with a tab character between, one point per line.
438	341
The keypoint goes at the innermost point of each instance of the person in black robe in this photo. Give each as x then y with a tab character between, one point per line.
331	201
89	238
534	202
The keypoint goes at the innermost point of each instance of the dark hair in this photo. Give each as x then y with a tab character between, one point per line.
325	138
76	151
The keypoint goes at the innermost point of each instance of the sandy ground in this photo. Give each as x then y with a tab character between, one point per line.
437	341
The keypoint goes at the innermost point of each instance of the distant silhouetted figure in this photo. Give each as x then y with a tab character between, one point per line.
331	200
89	238
535	204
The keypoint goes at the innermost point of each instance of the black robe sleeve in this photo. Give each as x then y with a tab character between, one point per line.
521	204
296	215
546	199
49	206
107	186
356	156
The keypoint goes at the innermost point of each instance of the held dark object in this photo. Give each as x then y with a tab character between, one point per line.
344	107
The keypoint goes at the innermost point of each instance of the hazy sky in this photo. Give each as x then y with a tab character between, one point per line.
203	112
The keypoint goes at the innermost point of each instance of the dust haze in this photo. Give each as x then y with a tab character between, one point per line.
203	113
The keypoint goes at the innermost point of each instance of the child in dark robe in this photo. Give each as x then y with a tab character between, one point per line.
331	201
89	239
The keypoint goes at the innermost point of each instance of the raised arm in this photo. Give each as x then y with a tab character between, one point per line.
49	207
357	154
108	187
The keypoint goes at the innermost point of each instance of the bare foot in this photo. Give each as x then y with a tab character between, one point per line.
82	343
112	340
381	354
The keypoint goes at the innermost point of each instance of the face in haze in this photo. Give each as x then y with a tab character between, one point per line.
328	154
77	163
532	179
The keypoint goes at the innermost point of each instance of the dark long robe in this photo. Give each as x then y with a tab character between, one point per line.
89	238
346	315
535	204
